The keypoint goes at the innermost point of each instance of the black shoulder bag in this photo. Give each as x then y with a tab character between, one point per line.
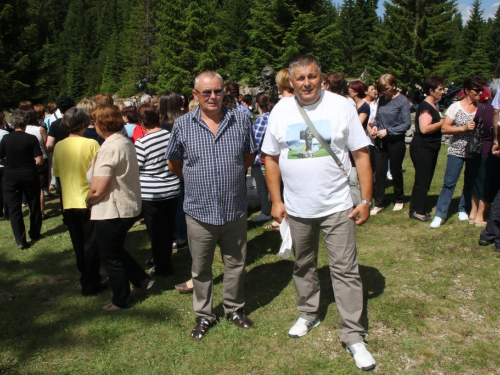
475	145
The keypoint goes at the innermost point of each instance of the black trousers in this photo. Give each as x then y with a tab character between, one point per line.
394	149
492	231
13	194
83	237
424	155
120	265
159	217
3	204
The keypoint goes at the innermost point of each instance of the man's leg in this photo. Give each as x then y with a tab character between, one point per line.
233	245
305	240
202	239
340	238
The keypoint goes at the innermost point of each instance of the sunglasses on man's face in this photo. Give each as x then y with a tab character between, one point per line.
208	93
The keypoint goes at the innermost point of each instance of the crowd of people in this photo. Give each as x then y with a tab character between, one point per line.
181	166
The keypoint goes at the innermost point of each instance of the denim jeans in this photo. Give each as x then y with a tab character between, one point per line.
452	173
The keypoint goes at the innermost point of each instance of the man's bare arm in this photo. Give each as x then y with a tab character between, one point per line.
365	176
273	180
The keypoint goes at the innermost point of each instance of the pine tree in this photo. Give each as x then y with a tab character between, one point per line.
188	43
413	38
140	41
19	36
265	36
234	21
493	43
70	48
473	48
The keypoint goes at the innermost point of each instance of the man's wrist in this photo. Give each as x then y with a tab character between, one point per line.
368	203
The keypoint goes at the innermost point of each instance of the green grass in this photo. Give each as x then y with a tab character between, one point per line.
431	307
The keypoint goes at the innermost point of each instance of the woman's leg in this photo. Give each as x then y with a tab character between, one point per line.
380	157
397	151
452	173
159	217
120	266
260	180
13	194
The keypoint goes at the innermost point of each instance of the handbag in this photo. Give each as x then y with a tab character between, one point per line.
475	145
352	177
379	144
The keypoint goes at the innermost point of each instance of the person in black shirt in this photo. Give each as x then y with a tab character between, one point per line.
56	133
425	146
20	153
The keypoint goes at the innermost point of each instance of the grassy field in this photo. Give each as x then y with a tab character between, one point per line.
431	299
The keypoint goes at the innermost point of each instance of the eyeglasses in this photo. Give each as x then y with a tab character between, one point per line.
208	93
478	90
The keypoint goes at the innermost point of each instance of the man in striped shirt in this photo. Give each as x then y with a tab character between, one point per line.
211	148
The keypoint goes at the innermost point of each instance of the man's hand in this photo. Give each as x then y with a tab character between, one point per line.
360	214
278	212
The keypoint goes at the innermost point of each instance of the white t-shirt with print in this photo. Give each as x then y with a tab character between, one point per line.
314	184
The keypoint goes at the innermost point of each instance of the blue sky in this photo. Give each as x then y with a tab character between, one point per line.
489	7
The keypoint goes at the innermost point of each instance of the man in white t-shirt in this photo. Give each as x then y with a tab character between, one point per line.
317	198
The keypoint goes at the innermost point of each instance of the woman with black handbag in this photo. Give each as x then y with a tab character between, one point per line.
458	122
485	166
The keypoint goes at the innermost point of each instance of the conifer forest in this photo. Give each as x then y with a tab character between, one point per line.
83	47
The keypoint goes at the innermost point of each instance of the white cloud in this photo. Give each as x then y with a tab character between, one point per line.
490	12
465	9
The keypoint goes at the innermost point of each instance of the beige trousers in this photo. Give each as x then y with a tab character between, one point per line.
232	239
339	235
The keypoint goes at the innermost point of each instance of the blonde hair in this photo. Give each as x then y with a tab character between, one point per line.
87	104
283	80
193	104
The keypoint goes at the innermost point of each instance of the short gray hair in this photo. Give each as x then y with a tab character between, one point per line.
75	119
19	119
210	74
303	61
494	87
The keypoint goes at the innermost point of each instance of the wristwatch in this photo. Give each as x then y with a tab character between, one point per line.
369	204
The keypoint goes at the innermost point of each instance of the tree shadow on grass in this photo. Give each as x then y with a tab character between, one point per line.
373	286
263	284
42	308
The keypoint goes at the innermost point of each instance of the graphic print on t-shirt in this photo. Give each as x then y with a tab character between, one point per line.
301	142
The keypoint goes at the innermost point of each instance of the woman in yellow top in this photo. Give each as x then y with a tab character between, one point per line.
115	198
72	157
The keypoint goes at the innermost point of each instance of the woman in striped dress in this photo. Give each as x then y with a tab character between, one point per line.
159	188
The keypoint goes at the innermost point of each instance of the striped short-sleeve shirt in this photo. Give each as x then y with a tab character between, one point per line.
213	166
157	181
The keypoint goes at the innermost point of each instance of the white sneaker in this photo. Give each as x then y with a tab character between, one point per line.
462	216
375	210
261	217
436	223
398	206
389	175
362	356
302	327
